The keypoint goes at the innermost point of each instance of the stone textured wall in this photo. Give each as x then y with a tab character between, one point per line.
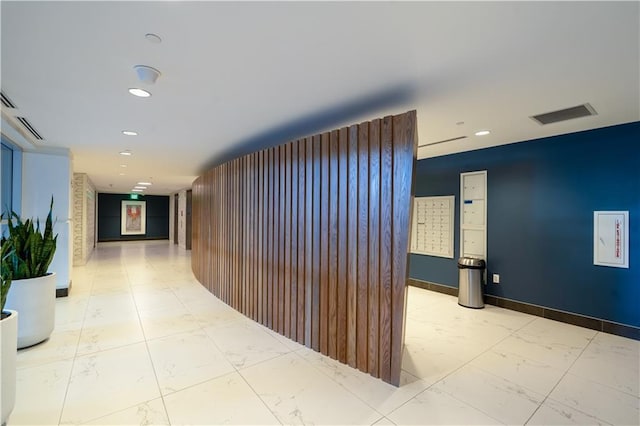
90	219
78	203
84	224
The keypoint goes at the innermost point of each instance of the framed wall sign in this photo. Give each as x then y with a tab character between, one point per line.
133	218
611	238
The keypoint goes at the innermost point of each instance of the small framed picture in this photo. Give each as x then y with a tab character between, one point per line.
611	238
133	218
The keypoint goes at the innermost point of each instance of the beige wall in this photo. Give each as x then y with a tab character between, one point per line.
84	222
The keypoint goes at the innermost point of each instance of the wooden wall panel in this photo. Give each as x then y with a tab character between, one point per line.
310	239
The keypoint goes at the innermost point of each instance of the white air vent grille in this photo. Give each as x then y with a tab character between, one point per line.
6	101
442	141
25	123
584	110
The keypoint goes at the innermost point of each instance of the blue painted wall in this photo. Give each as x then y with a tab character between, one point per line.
541	198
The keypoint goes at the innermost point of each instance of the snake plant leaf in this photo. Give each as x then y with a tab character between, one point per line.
31	250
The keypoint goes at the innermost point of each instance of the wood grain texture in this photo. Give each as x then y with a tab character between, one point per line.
310	238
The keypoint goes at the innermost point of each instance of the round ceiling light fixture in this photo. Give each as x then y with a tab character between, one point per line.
482	133
141	93
125	152
147	74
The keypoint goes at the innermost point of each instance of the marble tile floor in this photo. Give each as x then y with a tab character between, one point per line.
139	341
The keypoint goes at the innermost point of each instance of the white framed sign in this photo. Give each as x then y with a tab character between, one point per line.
133	219
611	238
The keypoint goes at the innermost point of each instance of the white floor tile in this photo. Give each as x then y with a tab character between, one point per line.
108	335
40	393
430	360
554	413
62	344
244	343
500	399
109	381
225	400
376	393
598	400
183	360
148	298
70	310
558	355
384	422
613	361
148	414
167	321
299	394
435	407
546	331
539	377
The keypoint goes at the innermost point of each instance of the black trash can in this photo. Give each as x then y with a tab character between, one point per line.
470	282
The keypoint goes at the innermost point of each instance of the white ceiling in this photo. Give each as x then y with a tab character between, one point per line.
240	76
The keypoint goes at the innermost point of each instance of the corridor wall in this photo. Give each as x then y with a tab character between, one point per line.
310	238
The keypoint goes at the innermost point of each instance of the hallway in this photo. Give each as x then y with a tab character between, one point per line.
140	341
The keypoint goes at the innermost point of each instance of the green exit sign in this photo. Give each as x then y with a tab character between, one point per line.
133	196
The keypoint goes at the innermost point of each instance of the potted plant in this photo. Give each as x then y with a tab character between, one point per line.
33	292
8	340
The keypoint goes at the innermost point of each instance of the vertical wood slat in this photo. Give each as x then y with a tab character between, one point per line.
324	243
374	246
405	145
301	223
315	241
308	242
293	226
342	246
352	246
362	315
310	239
270	240
386	189
286	265
332	252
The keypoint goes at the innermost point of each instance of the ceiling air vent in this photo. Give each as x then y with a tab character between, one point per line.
442	141
6	101
29	127
583	110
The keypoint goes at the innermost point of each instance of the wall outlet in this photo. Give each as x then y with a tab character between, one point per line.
496	278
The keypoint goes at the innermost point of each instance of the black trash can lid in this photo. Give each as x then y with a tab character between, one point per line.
471	263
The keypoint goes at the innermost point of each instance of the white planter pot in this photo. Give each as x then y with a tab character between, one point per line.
8	339
35	301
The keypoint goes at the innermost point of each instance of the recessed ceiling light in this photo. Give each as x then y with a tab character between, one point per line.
139	187
125	152
123	165
144	183
483	133
129	133
121	174
153	38
139	92
137	190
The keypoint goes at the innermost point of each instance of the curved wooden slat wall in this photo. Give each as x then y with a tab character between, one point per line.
310	238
